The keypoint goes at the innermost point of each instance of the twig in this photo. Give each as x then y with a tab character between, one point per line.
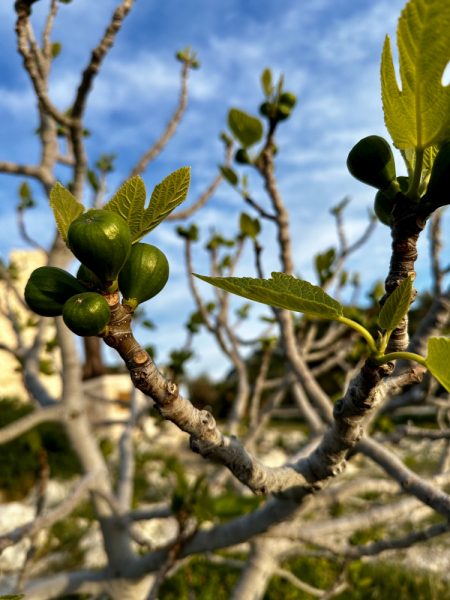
207	194
45	415
260	209
170	130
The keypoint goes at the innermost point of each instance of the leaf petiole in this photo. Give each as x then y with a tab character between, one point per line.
382	360
363	331
413	190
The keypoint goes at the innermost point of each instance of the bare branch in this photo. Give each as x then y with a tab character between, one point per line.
298	583
260	209
410	482
46	42
207	194
47	518
37	81
97	56
169	132
51	414
15	169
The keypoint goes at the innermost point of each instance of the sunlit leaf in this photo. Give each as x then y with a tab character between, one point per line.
282	291
65	208
247	129
129	202
418	115
438	360
396	306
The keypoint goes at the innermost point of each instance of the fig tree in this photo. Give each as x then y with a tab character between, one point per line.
101	240
48	289
144	275
86	314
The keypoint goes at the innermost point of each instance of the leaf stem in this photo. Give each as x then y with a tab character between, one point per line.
363	331
382	360
413	190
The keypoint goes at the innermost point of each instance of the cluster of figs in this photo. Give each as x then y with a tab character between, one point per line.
372	162
101	241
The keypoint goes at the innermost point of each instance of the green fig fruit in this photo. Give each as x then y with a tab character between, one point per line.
264	109
101	240
288	99
283	112
144	275
372	162
86	314
383	208
87	278
48	289
242	157
438	190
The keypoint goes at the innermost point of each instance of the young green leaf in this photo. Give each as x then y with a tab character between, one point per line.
396	306
247	129
249	226
65	208
418	115
229	175
166	196
13	597
282	291
129	202
438	360
266	82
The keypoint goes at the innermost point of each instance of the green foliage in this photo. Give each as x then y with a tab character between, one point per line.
229	175
418	116
189	234
437	194
188	55
247	129
282	291
19	459
129	202
200	580
323	264
364	536
383	208
9	597
178	358
56	49
396	305
26	197
65	208
438	360
231	505
166	196
266	82
250	227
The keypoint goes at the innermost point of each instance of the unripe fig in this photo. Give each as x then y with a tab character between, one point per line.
48	289
86	314
101	240
383	208
438	190
288	99
372	162
144	275
283	112
264	109
87	278
242	157
403	182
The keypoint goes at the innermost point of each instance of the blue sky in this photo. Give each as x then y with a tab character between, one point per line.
329	51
